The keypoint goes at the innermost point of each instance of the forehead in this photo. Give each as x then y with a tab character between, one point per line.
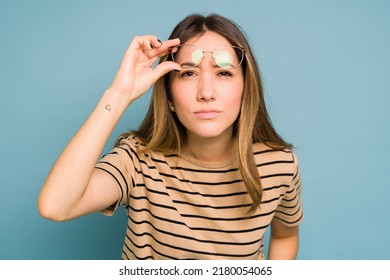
208	41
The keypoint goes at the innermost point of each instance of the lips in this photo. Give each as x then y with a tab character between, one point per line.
207	114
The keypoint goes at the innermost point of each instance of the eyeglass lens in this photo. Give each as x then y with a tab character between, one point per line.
190	56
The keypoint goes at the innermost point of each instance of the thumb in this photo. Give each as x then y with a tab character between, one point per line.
165	67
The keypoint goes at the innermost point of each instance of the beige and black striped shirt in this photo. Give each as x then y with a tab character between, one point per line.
182	208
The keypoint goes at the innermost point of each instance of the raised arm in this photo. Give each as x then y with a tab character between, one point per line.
73	187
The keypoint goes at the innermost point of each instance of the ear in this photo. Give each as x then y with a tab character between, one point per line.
171	107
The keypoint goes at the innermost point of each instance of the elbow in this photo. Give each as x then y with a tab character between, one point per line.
48	212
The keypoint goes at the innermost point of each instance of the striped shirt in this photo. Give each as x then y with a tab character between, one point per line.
181	208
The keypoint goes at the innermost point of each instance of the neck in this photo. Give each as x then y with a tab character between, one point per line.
216	149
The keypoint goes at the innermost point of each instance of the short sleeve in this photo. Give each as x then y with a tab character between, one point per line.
290	210
119	165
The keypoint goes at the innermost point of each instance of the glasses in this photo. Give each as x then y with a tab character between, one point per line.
226	57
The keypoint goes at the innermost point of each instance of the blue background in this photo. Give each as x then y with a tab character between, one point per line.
326	71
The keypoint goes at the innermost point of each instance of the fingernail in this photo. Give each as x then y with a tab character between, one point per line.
176	70
159	40
151	46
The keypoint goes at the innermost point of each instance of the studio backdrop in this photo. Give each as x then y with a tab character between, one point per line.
326	74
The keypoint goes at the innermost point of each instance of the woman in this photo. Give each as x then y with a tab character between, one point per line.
206	173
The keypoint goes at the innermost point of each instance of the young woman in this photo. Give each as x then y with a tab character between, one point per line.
206	173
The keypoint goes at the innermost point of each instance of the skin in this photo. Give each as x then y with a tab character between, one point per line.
207	101
75	188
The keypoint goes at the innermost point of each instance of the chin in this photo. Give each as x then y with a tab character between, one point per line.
210	133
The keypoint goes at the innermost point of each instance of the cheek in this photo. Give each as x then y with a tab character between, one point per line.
234	99
178	99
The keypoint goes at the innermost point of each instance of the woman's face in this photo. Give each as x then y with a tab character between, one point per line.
207	97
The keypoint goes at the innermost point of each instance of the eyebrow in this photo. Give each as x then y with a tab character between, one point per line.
190	64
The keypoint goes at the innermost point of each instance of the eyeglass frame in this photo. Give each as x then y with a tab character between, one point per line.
210	52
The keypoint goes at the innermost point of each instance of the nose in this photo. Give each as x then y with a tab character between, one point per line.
206	85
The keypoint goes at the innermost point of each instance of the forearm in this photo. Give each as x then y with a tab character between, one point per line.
71	173
283	248
67	183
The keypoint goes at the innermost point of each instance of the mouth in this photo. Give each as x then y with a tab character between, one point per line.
207	114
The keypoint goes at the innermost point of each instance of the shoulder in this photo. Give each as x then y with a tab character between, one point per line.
127	148
137	150
268	151
128	140
132	144
282	159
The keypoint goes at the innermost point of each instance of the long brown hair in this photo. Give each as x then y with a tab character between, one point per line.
162	131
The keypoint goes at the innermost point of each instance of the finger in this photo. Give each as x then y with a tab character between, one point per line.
156	43
146	42
161	48
142	44
149	43
134	49
165	67
152	46
171	43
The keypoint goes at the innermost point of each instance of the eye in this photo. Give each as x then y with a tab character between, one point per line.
225	73
187	74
